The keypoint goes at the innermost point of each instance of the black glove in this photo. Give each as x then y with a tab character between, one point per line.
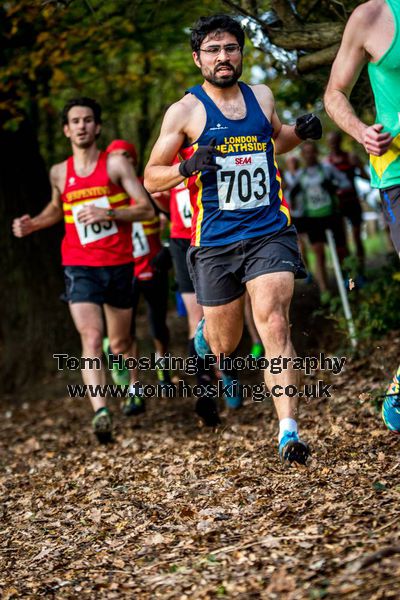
201	160
162	261
308	127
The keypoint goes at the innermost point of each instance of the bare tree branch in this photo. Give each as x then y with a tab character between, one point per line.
310	37
310	62
311	9
284	11
318	39
244	12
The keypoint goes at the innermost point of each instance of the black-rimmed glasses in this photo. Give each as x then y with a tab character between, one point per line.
230	49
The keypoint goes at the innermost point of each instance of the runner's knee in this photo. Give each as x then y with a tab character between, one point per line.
121	344
92	340
277	327
224	344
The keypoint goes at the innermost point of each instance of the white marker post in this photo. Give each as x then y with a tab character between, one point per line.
342	289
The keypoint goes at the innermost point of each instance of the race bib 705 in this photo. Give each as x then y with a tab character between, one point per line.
95	231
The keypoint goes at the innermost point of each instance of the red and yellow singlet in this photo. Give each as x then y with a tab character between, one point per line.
100	244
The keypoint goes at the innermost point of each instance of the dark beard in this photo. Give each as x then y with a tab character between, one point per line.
227	81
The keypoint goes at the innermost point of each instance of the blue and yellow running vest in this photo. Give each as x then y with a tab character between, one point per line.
244	198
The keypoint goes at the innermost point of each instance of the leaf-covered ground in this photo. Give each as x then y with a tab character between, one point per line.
171	510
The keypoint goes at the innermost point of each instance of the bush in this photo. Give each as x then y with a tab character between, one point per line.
375	307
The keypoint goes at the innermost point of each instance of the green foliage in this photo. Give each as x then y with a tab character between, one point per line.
375	307
132	56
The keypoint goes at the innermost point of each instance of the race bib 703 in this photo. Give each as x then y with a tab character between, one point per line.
243	181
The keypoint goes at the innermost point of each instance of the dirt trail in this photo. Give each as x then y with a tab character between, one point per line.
174	511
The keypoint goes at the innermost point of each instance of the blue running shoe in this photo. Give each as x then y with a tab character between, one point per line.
233	397
200	344
292	449
391	405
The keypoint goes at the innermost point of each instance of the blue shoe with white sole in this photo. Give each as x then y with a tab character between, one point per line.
391	405
292	449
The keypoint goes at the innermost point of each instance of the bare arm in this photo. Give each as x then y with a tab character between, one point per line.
307	127
49	216
122	172
160	174
346	69
143	209
284	136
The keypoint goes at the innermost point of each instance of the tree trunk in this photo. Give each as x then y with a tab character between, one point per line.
34	323
144	125
308	37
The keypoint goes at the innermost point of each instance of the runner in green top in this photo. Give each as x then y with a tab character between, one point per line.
315	189
384	75
372	35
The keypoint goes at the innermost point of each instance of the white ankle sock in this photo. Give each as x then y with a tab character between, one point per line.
286	424
135	389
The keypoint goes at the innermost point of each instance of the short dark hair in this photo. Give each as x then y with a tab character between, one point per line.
217	24
83	101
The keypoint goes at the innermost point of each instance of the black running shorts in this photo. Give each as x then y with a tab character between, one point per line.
155	292
178	248
100	285
352	211
316	227
220	273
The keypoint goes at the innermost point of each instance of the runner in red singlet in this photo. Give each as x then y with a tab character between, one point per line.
91	191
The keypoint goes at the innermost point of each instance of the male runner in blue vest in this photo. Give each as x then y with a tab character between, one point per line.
226	134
